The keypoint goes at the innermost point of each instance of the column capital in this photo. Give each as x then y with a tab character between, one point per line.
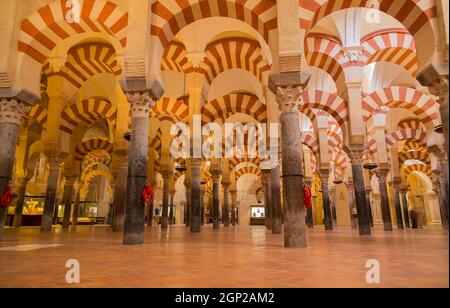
216	177
356	155
12	110
70	181
289	98
141	103
353	53
381	174
324	175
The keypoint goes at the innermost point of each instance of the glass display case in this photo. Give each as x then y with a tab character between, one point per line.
33	209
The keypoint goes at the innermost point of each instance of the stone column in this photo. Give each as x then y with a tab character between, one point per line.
68	197
309	211
187	208
403	192
444	189
369	206
328	219
385	209
50	196
11	111
166	192
360	192
294	209
120	192
195	204
202	200
233	193
398	206
352	205
216	205
226	204
76	205
172	207
268	196
277	221
21	190
134	224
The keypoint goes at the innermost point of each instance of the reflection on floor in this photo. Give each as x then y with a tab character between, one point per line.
243	257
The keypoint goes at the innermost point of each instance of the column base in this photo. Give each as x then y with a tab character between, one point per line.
365	230
133	239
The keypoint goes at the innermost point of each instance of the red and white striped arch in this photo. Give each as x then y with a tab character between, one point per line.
413	14
335	136
325	52
224	107
86	113
85	61
248	170
175	58
234	53
329	102
42	31
37	113
309	139
393	45
422	156
410	123
234	162
170	16
422	105
419	136
178	108
340	161
89	146
408	170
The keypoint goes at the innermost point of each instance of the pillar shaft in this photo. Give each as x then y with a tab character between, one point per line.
134	224
226	205
233	207
21	189
352	205
68	198
398	206
172	208
268	198
166	196
405	208
369	206
120	195
443	193
216	202
195	196
360	194
187	208
277	222
76	207
328	220
385	209
50	196
333	206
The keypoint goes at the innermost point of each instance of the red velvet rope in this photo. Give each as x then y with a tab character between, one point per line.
7	198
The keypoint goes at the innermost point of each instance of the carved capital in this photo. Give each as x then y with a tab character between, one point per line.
12	110
141	103
289	98
352	53
381	175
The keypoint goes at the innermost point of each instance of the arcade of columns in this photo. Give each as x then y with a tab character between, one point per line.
361	97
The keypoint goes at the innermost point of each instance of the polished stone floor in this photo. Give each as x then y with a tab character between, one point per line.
243	257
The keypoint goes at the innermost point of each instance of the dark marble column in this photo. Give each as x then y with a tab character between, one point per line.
360	192
21	189
120	192
233	193
187	207
202	199
226	204
277	221
76	206
268	197
134	224
216	205
196	211
50	196
166	192
403	192
11	111
68	198
328	220
172	207
444	190
333	205
352	206
369	205
398	206
385	209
